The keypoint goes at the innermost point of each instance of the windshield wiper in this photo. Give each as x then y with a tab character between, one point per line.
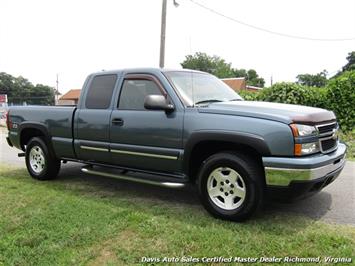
209	101
237	99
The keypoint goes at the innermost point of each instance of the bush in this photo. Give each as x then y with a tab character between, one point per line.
292	93
249	95
338	96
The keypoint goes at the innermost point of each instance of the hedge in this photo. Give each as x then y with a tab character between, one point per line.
338	96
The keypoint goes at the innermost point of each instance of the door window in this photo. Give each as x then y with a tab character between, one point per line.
134	91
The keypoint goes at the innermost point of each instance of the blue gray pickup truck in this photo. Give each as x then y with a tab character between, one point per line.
173	127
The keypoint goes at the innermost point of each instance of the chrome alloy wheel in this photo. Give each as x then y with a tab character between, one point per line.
226	188
37	160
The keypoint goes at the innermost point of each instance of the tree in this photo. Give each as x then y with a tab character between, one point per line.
211	64
318	80
350	65
252	78
20	90
220	68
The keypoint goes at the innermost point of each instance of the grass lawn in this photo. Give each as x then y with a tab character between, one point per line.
99	221
349	139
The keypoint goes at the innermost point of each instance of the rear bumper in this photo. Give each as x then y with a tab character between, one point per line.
296	177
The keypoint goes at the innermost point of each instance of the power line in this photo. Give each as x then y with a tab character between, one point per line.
271	31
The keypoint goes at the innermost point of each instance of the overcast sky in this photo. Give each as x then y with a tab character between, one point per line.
39	38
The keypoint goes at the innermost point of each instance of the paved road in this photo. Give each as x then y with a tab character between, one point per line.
336	203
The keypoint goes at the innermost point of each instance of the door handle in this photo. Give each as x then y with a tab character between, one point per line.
117	121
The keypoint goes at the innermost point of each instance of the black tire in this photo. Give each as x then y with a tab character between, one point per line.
249	179
47	165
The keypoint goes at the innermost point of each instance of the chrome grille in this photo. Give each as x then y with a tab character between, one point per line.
328	137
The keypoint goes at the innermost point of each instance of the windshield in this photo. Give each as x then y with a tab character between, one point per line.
201	88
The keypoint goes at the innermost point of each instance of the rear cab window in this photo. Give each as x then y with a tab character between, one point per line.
100	92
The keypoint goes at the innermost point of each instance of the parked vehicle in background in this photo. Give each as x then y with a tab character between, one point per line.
179	127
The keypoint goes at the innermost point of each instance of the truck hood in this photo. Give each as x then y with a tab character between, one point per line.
286	113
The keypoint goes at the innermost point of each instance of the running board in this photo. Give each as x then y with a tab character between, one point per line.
161	183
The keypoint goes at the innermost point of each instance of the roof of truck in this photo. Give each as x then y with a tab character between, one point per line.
144	70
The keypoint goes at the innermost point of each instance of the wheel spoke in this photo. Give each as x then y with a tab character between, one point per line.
228	202
214	192
239	191
233	176
218	175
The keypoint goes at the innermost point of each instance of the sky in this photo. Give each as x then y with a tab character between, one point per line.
40	39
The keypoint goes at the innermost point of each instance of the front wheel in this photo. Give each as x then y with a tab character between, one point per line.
40	163
231	186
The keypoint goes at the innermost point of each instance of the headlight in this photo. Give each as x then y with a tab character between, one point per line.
299	130
306	148
303	130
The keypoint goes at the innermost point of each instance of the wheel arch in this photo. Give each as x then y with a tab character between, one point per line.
201	145
29	130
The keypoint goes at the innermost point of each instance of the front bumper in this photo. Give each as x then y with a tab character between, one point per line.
295	177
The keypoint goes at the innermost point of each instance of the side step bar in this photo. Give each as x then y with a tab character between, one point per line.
160	183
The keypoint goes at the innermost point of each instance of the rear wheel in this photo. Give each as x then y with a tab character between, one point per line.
231	186
40	163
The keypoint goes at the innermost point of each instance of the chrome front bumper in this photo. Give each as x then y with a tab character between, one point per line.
281	171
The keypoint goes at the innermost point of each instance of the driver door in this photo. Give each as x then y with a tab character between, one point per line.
141	138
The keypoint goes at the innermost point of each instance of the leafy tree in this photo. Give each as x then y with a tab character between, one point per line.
211	64
253	79
351	62
319	80
220	68
20	90
240	73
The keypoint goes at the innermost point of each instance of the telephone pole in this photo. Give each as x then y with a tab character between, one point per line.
162	33
56	91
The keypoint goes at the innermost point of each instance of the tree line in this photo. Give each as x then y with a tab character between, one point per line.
220	68
19	90
217	66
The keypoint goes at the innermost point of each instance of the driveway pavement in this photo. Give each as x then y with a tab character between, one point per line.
335	203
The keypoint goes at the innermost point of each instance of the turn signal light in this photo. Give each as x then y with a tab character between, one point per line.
298	149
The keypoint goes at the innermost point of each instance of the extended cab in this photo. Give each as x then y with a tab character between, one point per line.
173	127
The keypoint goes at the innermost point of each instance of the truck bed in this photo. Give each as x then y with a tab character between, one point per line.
57	119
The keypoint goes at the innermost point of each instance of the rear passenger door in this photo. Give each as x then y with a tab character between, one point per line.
93	119
141	138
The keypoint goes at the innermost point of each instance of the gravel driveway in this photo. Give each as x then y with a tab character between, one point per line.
336	203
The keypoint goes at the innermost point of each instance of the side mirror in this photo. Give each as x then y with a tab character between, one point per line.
157	102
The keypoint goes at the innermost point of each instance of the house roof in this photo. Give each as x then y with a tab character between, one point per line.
71	95
235	83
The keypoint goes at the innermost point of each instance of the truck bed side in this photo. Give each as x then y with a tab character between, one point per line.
54	122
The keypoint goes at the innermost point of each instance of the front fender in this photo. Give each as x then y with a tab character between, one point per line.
239	138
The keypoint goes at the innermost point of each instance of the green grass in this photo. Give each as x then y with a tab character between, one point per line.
349	139
98	221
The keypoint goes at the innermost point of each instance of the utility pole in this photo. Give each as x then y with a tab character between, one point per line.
162	33
56	91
